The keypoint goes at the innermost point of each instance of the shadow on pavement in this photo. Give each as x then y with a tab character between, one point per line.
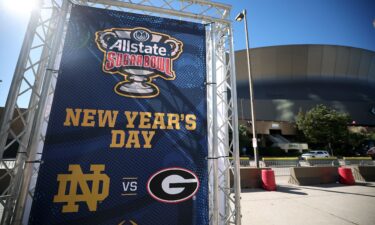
250	190
290	190
324	188
366	184
282	189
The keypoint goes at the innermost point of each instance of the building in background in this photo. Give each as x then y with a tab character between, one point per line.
291	78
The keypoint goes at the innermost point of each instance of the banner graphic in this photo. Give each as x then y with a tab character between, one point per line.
126	141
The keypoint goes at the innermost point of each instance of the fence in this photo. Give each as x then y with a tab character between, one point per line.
282	165
330	161
244	161
362	161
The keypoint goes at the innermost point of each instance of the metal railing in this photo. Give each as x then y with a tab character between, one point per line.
281	165
361	161
330	161
244	161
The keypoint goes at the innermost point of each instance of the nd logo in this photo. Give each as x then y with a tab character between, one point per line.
85	194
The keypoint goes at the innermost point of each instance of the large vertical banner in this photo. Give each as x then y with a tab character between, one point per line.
126	142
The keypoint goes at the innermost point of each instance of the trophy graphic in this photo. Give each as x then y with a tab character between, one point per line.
139	55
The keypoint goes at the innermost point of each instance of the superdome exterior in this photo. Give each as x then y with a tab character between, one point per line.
298	77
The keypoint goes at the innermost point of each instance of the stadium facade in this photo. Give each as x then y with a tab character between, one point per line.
291	78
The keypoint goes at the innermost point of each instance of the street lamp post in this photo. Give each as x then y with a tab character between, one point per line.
239	17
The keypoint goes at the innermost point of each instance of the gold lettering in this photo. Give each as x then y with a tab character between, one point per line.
130	116
88	118
145	120
107	117
133	139
118	138
191	123
158	121
173	121
147	136
72	117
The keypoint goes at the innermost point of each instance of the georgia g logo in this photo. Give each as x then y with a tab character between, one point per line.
140	55
173	185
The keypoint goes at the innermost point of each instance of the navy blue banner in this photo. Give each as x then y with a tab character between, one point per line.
126	142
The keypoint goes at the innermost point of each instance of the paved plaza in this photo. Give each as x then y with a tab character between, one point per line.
331	204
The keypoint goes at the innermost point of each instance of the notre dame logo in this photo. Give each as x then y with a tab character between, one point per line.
78	179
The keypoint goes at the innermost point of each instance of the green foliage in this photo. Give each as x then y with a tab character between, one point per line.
242	130
323	125
355	139
371	136
244	138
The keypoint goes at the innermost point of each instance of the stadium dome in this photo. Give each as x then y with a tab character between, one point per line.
298	77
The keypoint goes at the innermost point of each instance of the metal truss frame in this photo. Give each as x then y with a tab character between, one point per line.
34	84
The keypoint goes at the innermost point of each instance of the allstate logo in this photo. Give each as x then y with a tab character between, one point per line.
141	35
140	55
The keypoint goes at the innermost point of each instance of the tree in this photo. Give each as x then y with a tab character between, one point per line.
323	125
244	138
371	135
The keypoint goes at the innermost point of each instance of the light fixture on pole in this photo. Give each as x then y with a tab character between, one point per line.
240	17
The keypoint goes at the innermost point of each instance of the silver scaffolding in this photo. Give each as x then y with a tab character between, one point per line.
35	78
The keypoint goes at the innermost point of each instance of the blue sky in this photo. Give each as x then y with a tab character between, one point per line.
271	22
282	22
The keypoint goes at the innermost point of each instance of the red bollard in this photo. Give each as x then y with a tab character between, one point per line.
268	180
346	176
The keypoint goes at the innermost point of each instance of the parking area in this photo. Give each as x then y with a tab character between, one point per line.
331	204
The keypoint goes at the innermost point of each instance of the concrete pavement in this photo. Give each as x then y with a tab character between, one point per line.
332	204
